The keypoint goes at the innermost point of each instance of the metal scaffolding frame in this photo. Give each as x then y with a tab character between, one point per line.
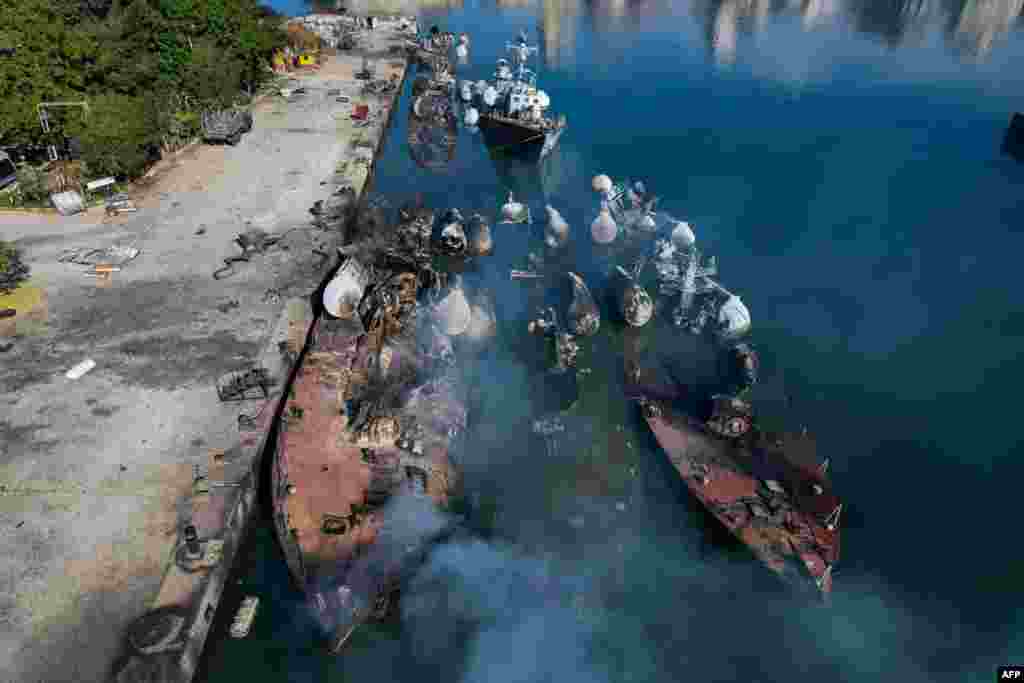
44	119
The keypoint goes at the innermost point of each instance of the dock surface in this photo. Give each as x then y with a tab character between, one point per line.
97	474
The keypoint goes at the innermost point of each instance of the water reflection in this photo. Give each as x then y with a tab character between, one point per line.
971	27
980	23
558	32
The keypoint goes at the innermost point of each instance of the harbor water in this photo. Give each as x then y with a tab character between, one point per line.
841	159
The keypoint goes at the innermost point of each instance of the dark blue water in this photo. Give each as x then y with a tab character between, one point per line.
846	171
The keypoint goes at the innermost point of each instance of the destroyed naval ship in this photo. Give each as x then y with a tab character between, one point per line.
769	490
377	411
432	132
512	112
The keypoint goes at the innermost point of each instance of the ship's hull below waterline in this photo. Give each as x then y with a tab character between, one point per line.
518	140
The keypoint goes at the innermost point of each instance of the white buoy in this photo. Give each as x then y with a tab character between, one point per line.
557	231
483	325
513	211
733	318
682	235
462	52
452	313
466	91
604	229
345	290
472	116
464	39
601	183
480	87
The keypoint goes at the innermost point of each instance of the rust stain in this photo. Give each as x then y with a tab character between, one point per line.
787	530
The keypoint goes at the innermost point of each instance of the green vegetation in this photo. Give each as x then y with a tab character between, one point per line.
147	68
12	271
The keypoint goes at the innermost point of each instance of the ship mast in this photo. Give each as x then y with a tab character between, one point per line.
521	52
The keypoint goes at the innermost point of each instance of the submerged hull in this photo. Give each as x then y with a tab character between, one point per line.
331	487
771	494
432	141
518	139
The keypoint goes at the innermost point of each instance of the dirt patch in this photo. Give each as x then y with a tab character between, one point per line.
193	168
30	302
77	619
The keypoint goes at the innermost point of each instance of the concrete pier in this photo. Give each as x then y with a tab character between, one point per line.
100	475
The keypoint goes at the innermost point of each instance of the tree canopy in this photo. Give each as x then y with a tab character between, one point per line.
140	64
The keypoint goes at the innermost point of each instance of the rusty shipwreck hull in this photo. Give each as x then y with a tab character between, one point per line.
432	141
769	491
331	484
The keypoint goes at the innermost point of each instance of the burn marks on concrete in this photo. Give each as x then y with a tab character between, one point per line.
100	315
171	361
104	411
18	440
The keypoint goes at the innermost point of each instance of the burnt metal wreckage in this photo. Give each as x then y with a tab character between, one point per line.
380	407
769	490
432	126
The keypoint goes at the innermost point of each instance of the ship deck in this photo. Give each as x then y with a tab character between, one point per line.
784	528
340	482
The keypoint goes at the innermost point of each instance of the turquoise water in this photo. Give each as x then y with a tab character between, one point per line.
846	172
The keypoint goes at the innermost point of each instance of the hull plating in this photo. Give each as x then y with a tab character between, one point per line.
769	492
519	140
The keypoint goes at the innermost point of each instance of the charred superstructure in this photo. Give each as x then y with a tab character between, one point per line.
769	490
376	414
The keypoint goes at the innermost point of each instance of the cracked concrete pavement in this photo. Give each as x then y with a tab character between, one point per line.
94	471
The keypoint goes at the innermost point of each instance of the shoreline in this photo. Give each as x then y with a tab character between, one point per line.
128	455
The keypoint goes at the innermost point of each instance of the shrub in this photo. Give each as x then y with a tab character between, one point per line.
12	270
32	186
121	135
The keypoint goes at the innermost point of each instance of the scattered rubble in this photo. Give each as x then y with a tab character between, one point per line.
240	385
111	256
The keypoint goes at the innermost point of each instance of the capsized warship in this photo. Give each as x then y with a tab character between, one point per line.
377	412
432	131
513	112
769	490
432	48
